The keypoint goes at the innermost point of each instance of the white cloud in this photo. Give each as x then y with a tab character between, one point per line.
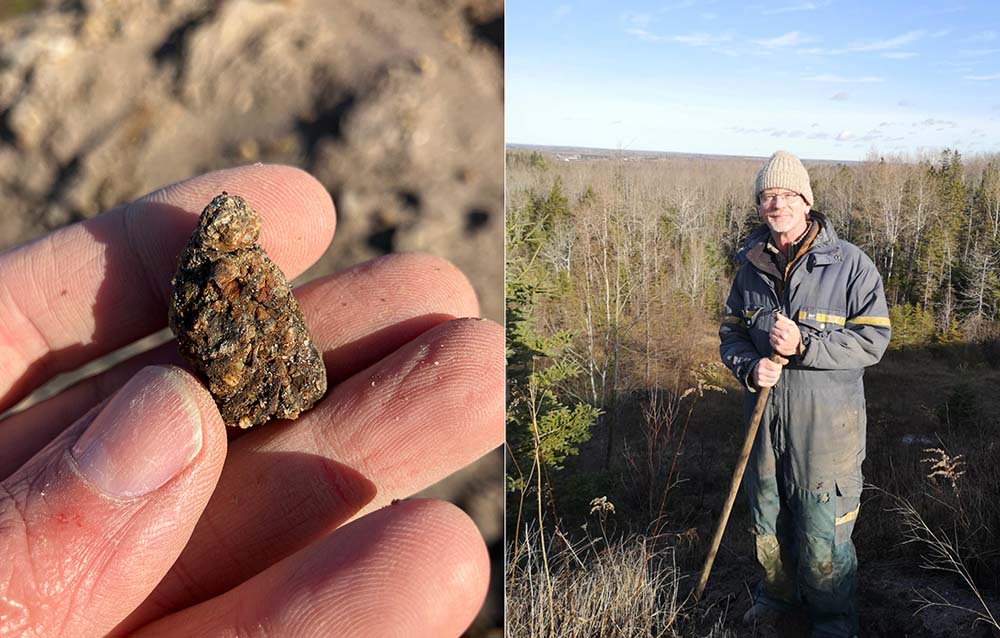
899	55
642	34
975	53
891	43
773	132
637	20
791	38
801	6
822	51
701	39
844	136
940	125
728	52
637	24
983	78
982	36
840	96
831	78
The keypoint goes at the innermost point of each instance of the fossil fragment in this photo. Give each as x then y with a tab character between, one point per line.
237	322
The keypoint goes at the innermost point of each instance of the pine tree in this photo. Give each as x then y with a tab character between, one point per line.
539	419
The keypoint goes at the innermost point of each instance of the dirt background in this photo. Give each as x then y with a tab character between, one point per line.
395	106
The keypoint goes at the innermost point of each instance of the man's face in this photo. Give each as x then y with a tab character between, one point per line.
783	211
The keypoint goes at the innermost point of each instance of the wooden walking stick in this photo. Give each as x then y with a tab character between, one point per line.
734	488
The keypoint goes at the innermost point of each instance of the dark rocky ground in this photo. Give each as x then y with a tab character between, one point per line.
395	106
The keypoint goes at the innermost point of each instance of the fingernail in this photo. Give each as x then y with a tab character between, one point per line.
144	436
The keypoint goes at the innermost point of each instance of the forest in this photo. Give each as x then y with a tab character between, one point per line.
623	425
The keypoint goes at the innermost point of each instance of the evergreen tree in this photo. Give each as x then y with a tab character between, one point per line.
539	419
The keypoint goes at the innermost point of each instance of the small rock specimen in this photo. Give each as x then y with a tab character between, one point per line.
239	325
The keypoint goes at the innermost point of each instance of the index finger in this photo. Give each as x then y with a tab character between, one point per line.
97	285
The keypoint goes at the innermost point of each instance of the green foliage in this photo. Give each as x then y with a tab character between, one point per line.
575	491
588	198
534	160
950	177
537	366
960	409
552	208
939	249
952	334
986	206
528	227
912	325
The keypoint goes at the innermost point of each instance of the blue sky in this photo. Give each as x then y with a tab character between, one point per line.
826	79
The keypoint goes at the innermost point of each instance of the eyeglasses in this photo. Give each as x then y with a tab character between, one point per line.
770	198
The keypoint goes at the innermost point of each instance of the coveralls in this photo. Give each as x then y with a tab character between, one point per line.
804	477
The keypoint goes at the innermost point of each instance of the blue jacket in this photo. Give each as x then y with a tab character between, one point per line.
835	295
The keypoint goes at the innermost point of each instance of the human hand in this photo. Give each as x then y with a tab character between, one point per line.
785	336
132	516
766	372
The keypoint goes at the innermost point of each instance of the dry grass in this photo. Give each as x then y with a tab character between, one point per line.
931	443
600	589
940	553
612	588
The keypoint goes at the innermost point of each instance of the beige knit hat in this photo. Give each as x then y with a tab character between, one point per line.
784	170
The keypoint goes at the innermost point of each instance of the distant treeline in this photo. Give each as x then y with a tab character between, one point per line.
932	224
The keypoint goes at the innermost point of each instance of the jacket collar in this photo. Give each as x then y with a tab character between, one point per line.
825	248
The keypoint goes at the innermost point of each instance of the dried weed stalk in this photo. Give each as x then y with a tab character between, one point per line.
941	555
944	466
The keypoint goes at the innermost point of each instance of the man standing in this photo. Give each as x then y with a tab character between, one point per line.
817	301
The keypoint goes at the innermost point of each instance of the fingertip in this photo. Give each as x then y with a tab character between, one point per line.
445	547
415	568
468	356
459	534
441	276
299	218
293	188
